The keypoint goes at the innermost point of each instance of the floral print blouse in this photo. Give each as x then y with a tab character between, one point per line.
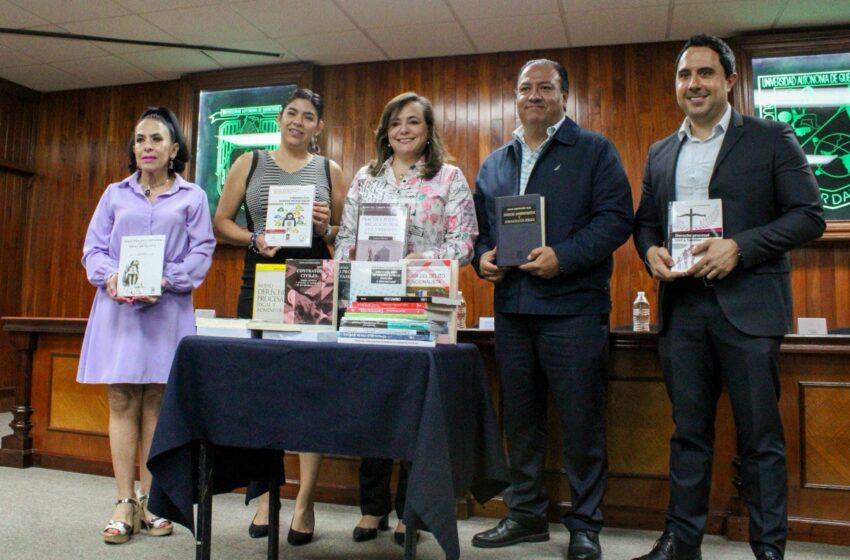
441	223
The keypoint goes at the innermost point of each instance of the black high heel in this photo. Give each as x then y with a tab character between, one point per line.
299	538
363	534
398	537
258	531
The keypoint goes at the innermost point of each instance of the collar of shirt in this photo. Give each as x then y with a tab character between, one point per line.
387	168
719	129
519	134
133	181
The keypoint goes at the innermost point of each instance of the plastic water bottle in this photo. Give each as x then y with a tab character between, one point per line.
461	311
640	313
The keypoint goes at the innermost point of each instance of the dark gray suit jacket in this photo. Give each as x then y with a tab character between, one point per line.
771	204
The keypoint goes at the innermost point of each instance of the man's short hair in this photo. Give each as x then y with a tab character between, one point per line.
718	45
562	73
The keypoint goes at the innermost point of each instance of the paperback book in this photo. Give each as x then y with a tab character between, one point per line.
269	291
223	327
309	296
432	277
140	265
378	279
690	223
520	227
289	216
342	287
381	232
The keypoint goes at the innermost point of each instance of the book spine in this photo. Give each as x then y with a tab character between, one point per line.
372	315
367	305
385	336
391	324
414	343
399	299
380	331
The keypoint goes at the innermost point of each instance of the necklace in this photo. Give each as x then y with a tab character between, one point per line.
406	174
148	188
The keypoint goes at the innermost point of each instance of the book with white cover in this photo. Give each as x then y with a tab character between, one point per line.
289	216
381	232
378	279
228	328
690	223
140	265
432	277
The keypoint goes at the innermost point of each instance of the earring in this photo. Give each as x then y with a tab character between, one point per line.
171	164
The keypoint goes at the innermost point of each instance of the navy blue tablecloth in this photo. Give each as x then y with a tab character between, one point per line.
430	406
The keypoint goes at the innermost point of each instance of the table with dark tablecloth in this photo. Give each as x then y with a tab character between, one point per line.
430	406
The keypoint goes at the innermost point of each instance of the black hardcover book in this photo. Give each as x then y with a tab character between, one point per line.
520	227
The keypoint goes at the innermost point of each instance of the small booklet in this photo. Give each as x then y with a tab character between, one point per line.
289	217
381	232
378	279
520	227
140	265
690	223
269	284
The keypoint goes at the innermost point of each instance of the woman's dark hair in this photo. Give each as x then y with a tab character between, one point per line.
166	117
435	154
316	100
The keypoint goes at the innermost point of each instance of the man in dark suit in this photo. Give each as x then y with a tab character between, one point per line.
551	324
722	320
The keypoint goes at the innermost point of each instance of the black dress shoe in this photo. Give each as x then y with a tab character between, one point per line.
258	531
362	534
669	547
398	537
769	555
584	545
509	532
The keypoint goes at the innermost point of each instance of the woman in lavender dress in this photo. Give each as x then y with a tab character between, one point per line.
130	342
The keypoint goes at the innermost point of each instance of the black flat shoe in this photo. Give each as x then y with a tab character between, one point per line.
258	531
398	537
297	538
363	534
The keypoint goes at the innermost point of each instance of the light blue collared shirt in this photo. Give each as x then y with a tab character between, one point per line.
529	156
697	158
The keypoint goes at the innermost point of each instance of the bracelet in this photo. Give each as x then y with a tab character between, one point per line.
253	244
328	232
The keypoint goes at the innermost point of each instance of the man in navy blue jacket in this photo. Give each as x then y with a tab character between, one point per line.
552	311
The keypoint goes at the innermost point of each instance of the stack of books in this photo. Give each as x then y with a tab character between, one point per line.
387	321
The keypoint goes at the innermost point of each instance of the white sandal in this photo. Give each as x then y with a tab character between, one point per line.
155	526
122	531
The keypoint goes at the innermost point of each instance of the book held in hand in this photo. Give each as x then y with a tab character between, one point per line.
289	217
520	227
269	287
381	232
140	265
690	223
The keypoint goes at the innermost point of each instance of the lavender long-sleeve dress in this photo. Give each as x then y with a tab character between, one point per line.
136	343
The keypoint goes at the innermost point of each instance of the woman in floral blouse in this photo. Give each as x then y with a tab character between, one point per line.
409	169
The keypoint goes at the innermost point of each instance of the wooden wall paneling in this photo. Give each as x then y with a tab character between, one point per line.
17	132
